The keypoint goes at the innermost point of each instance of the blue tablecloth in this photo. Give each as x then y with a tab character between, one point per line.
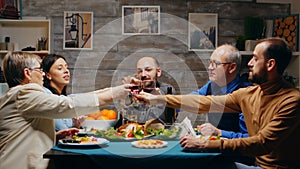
127	150
124	155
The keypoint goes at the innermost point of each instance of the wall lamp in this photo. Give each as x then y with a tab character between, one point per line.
74	31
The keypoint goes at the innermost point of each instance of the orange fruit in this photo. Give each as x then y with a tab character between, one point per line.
95	114
90	115
102	118
104	112
89	118
112	115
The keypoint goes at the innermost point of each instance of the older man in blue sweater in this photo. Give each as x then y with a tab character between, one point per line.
224	78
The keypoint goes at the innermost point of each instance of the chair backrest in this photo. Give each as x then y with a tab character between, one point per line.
3	88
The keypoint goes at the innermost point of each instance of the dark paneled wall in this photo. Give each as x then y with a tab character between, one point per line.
114	55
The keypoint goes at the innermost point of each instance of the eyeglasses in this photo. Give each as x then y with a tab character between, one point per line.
39	69
215	64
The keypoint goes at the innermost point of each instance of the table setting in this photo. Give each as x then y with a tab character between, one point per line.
161	149
132	144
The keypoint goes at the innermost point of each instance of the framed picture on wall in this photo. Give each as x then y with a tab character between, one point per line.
11	9
287	27
140	20
78	30
203	31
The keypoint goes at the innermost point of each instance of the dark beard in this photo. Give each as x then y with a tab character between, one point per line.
259	78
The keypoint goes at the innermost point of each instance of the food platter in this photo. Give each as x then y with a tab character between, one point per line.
149	144
135	131
124	139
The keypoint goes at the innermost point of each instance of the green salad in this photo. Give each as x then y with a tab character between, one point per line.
113	134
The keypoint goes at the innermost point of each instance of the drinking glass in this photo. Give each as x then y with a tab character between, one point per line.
131	116
202	118
137	86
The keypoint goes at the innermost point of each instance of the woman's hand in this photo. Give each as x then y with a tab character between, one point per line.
113	93
77	121
120	92
101	90
61	134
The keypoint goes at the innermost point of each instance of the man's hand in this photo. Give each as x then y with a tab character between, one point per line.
157	91
189	142
126	80
131	80
148	98
207	129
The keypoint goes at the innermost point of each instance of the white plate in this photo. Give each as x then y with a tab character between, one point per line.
82	133
100	141
135	144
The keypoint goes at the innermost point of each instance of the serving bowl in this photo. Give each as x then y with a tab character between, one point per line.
101	120
88	125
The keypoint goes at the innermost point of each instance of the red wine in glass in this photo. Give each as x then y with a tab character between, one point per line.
148	90
135	89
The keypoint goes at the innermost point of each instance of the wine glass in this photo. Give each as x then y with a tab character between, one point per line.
136	84
202	118
153	111
130	112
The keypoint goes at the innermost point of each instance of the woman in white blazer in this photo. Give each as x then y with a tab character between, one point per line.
27	112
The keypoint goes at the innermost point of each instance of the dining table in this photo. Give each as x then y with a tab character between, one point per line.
122	154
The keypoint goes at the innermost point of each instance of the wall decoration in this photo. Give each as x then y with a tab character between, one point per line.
269	28
287	27
78	30
11	9
140	20
203	31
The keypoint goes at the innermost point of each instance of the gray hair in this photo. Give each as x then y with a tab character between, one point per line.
13	65
233	55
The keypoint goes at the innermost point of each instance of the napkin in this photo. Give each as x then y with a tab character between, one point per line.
187	127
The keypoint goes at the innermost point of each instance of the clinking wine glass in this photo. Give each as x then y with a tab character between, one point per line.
149	86
131	106
137	87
